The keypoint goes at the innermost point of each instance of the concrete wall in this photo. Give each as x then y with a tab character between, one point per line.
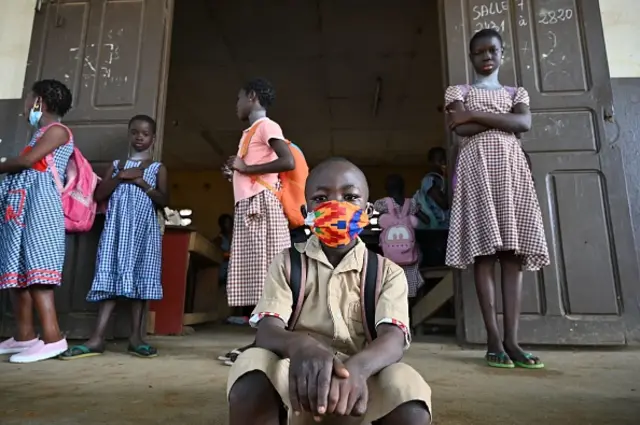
620	20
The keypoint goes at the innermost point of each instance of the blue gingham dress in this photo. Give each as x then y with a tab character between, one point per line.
32	235
130	250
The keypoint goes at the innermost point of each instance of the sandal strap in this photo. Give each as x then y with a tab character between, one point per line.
83	349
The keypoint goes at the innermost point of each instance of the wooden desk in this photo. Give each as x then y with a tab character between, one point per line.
189	281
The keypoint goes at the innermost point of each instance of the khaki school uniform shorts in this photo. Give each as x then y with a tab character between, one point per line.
392	387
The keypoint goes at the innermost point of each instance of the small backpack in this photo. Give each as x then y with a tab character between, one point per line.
370	286
291	191
465	89
78	205
398	237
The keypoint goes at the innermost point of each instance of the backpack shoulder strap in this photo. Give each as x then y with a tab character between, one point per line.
51	162
406	207
370	285
296	271
44	129
391	208
246	139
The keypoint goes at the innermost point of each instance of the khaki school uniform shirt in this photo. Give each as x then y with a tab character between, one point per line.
332	311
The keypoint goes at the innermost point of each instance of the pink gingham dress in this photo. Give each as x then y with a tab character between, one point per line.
495	207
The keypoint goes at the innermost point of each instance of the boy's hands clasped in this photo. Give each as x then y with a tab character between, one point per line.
321	384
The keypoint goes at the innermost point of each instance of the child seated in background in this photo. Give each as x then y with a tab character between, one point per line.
314	358
223	243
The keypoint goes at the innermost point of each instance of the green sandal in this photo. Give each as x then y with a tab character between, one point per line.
144	351
504	363
79	352
526	365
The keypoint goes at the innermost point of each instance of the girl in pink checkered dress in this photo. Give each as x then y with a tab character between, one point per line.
495	214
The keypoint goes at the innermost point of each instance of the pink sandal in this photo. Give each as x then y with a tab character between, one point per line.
40	351
11	346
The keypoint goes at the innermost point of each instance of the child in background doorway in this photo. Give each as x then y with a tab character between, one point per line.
32	232
495	214
432	196
223	242
130	250
321	367
396	196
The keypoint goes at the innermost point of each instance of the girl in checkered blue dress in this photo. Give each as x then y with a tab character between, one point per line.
130	251
495	215
32	234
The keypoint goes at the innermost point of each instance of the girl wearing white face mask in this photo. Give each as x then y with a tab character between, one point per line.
32	232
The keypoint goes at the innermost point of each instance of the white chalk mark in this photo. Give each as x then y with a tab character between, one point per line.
554	43
89	64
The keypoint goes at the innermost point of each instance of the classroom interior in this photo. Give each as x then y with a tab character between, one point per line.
344	88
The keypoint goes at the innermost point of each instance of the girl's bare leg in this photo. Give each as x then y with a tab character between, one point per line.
511	266
485	288
44	303
23	312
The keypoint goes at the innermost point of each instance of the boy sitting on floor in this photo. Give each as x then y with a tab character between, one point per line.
311	353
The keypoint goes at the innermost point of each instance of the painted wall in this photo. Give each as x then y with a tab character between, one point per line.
620	21
16	23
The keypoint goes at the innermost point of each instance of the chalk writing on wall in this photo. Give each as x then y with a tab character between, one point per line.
552	17
495	14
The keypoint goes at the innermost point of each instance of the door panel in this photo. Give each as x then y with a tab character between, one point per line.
555	49
113	56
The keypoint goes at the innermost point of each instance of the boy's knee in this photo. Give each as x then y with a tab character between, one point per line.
410	413
251	390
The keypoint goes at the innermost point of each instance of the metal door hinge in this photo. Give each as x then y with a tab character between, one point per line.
609	114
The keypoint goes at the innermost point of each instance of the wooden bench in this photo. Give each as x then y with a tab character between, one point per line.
429	304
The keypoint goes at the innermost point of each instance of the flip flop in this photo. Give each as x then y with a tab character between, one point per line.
232	359
524	365
144	351
233	354
79	352
503	357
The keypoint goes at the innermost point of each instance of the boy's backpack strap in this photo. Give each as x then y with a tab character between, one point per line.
370	286
296	270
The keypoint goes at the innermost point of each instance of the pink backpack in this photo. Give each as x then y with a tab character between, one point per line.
78	205
398	238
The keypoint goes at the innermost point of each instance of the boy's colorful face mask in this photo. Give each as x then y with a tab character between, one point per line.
336	223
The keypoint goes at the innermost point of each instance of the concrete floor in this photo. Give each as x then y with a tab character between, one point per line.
186	385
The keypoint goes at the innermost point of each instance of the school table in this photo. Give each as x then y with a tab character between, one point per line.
190	265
